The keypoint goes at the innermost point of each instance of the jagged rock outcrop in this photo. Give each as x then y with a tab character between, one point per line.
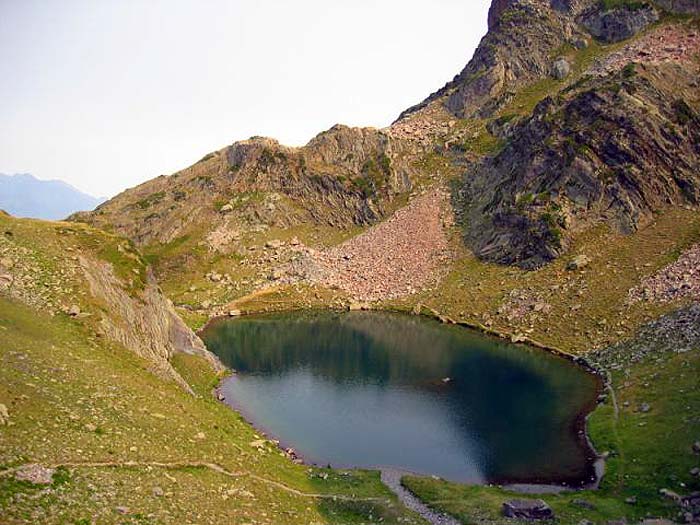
497	8
681	6
101	283
619	23
518	49
614	149
523	39
343	176
145	322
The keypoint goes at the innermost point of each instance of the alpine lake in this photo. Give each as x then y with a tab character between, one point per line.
392	391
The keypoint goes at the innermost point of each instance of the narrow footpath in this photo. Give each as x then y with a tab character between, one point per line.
392	479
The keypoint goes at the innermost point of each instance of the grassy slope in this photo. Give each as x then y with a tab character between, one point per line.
588	307
184	263
74	399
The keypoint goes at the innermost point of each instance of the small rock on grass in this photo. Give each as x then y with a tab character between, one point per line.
696	447
535	509
4	415
579	263
669	494
583	504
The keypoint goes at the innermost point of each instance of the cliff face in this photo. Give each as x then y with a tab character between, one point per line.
524	39
516	50
614	149
614	139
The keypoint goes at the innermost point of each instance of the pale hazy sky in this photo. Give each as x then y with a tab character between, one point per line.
105	94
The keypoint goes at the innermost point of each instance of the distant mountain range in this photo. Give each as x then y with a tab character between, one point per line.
23	195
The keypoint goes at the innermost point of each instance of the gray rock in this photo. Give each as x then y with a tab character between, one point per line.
669	494
561	68
681	6
632	500
583	504
695	472
644	408
6	280
74	310
696	447
620	23
529	509
565	6
579	262
580	43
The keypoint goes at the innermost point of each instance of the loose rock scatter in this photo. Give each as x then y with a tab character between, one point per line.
397	257
34	473
666	44
677	281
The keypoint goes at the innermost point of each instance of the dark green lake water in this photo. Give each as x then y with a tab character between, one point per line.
367	389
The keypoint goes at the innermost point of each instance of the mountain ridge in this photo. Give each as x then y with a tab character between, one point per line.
25	195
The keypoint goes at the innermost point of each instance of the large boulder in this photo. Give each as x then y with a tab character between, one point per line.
561	68
529	509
